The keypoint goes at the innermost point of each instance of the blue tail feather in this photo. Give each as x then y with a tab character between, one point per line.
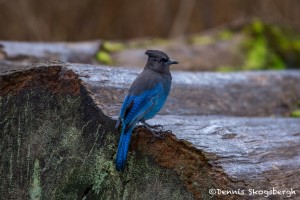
123	148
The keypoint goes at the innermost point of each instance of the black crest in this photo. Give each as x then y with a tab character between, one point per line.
157	54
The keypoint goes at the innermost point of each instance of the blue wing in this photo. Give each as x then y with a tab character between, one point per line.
126	106
143	104
136	107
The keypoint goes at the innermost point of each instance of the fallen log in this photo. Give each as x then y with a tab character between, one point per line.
58	141
26	53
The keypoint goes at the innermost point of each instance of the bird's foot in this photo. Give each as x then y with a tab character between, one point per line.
156	130
156	127
158	134
152	127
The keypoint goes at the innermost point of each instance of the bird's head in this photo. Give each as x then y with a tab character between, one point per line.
159	61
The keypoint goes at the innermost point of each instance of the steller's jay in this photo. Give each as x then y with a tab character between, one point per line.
145	98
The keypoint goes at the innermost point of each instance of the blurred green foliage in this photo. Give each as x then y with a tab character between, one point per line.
104	57
226	68
113	46
211	39
264	46
225	34
202	40
260	55
295	113
270	47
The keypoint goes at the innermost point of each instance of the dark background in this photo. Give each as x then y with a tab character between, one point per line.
66	20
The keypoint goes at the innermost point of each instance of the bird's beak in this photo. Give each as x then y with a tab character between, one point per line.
171	62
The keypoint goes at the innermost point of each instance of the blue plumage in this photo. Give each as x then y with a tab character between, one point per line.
145	98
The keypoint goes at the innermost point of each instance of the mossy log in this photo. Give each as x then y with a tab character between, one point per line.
58	141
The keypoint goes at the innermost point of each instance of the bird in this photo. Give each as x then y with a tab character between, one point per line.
145	98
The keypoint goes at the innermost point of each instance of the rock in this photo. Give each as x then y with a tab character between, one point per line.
58	141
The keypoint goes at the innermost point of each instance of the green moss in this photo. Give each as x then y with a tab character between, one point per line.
98	183
36	190
104	169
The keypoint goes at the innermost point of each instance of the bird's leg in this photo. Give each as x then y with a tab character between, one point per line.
154	132
152	126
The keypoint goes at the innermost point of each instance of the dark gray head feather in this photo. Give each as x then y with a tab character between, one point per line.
157	54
